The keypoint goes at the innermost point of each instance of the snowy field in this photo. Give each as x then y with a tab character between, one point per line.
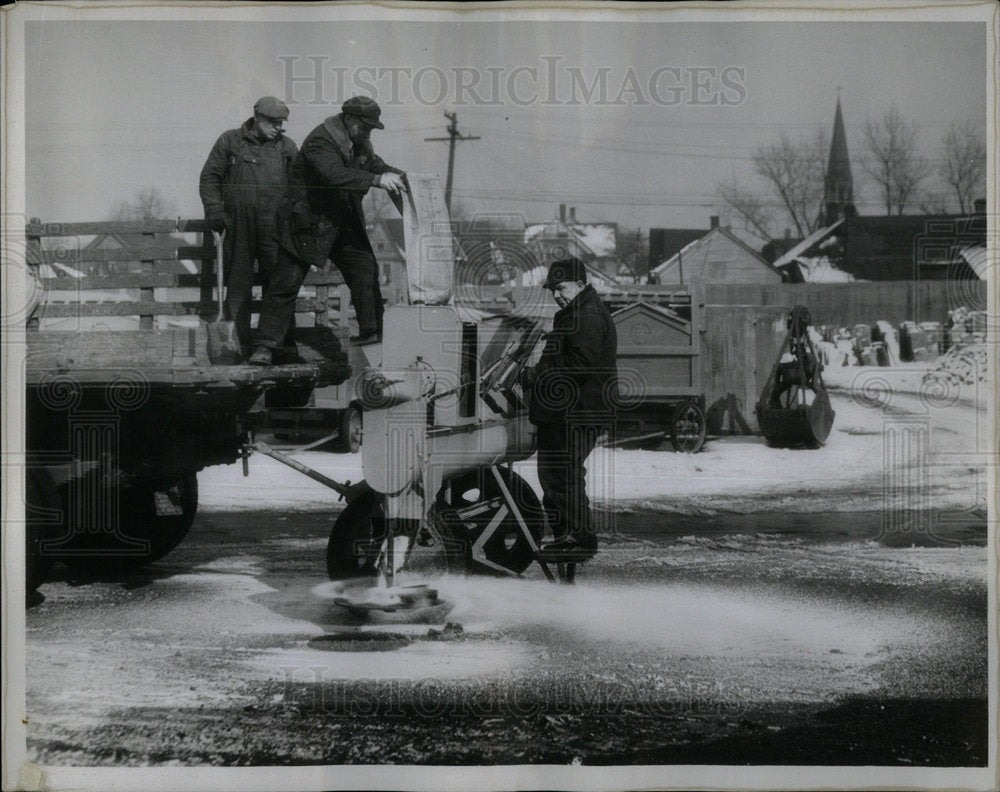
895	443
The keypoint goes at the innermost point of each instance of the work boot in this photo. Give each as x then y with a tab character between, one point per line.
366	338
568	549
261	357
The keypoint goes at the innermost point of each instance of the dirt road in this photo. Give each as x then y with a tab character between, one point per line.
736	644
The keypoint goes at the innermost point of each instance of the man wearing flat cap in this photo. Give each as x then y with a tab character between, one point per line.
322	217
244	178
574	396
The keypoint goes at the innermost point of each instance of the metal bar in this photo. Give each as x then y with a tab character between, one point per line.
336	486
520	521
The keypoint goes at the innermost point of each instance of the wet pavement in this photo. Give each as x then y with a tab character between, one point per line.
757	639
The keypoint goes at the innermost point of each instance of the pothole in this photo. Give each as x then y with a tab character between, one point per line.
366	641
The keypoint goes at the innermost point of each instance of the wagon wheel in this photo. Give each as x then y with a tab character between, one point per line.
350	430
471	502
153	518
687	428
356	538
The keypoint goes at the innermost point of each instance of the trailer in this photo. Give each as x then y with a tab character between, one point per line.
123	406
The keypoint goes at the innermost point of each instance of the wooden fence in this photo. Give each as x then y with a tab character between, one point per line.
144	261
848	304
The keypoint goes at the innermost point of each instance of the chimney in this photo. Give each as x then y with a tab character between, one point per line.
572	214
713	222
562	213
788	233
980	205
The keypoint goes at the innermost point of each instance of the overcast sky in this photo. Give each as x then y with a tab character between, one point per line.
633	123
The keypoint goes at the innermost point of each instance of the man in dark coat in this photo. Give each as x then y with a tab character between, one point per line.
321	217
242	181
574	397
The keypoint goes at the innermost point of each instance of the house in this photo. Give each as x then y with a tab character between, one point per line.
596	244
716	257
893	248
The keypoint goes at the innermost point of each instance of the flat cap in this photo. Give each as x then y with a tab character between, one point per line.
271	107
571	269
365	108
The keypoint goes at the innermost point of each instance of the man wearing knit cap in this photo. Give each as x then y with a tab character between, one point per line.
322	217
574	396
243	179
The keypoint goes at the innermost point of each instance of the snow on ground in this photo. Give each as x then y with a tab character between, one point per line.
896	442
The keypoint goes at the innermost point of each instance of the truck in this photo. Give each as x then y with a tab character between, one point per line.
123	406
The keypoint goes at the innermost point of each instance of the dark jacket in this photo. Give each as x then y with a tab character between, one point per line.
241	169
576	378
329	178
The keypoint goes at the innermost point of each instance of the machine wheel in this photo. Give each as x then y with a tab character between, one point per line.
350	430
471	502
356	538
153	519
687	428
41	521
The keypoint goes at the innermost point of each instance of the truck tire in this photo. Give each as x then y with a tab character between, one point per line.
350	430
153	520
42	516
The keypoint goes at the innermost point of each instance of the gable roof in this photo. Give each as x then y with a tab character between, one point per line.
596	239
705	240
800	249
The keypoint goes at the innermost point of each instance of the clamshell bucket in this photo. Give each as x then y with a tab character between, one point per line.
794	409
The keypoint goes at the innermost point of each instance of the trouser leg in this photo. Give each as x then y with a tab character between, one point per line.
240	251
267	257
562	450
357	264
277	312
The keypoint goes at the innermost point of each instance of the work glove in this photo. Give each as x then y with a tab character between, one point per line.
218	221
528	376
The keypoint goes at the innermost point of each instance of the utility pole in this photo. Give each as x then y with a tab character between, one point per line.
452	139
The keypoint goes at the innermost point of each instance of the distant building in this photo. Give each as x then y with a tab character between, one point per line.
884	248
838	184
596	244
718	256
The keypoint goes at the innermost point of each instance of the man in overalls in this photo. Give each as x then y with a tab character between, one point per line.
244	177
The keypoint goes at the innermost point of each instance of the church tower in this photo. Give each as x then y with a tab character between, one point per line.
838	186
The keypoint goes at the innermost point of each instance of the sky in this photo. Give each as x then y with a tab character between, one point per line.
629	123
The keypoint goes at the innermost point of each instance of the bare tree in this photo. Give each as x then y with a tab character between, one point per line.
632	250
893	160
794	171
964	165
746	206
147	204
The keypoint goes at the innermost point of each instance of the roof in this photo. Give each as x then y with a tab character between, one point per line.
597	239
803	246
665	242
706	239
977	258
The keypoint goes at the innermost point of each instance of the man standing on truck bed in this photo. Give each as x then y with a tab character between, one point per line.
321	217
243	179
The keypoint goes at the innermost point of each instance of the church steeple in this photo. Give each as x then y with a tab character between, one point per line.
838	186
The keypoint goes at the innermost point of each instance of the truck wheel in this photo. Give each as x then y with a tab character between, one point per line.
350	430
471	502
152	521
687	428
356	538
42	510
